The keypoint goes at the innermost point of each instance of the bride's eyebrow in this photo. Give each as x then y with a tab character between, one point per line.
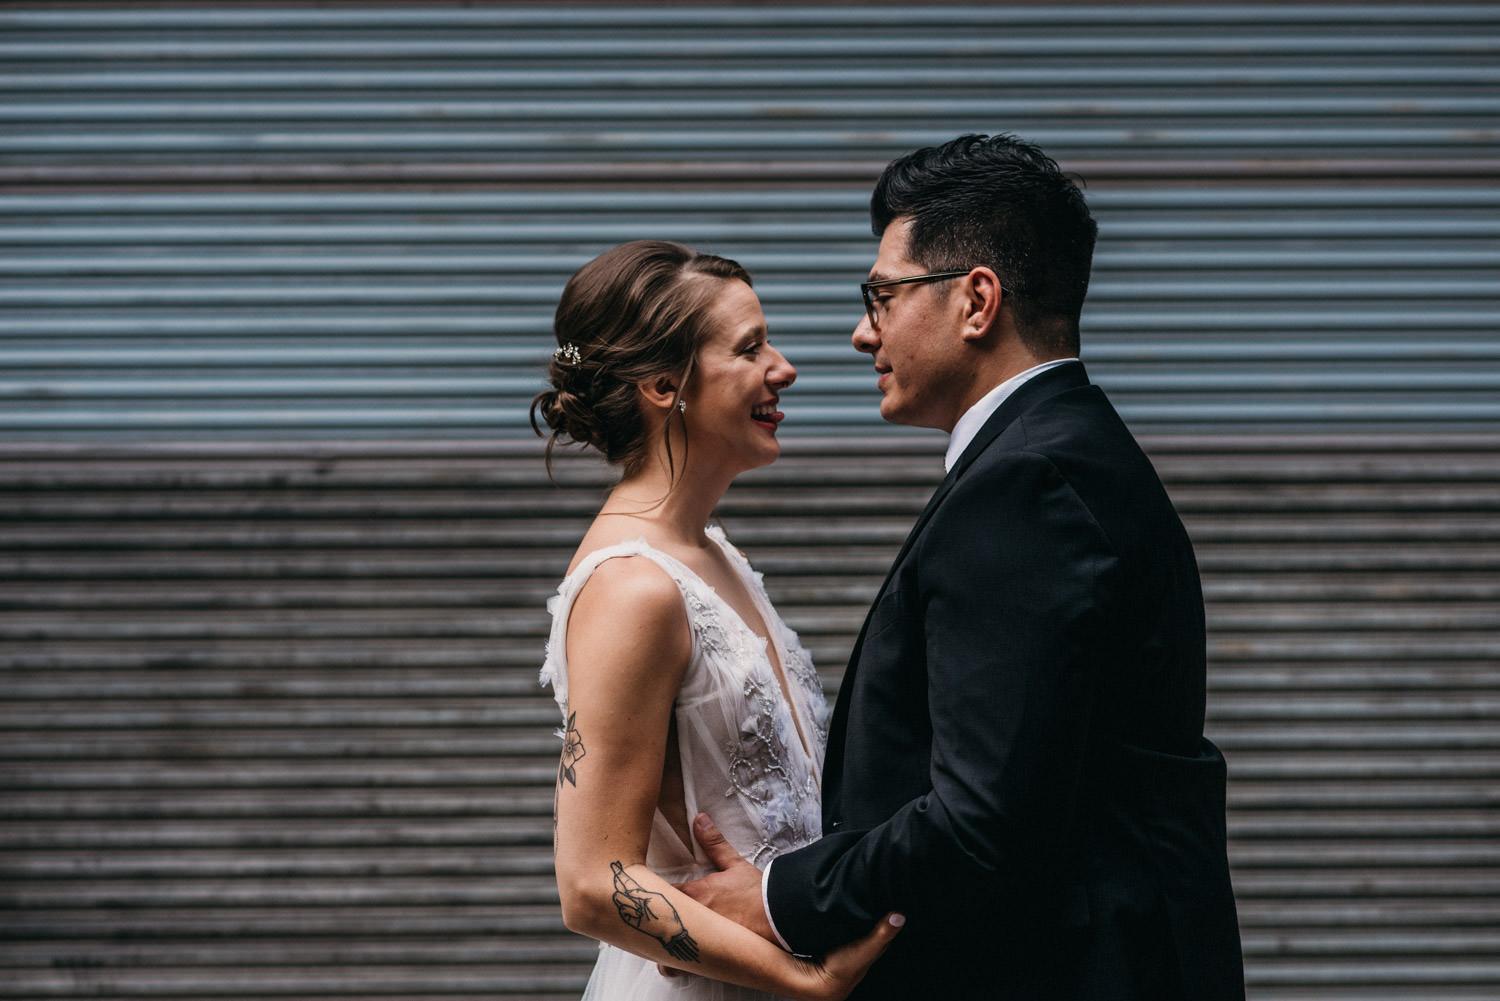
754	335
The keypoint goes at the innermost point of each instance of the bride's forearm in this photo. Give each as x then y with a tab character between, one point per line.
629	906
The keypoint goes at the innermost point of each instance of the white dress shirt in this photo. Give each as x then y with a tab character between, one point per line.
973	419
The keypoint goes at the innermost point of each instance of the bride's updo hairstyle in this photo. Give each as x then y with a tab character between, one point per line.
633	314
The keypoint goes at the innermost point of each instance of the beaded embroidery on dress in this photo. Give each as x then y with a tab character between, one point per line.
751	759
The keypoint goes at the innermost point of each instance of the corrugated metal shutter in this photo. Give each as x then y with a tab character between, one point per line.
1286	191
298	314
271	726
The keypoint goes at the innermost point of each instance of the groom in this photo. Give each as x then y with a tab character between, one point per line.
1017	760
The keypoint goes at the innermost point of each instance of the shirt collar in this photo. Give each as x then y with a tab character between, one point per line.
973	419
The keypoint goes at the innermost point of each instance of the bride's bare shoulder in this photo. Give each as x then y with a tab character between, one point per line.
630	586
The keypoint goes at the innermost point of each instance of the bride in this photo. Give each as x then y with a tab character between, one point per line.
680	687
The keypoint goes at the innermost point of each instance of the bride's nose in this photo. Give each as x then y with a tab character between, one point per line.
781	374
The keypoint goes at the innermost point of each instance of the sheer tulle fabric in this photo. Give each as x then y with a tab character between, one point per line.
751	758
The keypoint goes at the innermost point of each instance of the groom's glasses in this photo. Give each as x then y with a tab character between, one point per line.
875	306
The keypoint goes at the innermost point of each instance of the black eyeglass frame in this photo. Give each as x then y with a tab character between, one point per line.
865	287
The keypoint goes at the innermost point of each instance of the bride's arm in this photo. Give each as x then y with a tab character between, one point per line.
627	649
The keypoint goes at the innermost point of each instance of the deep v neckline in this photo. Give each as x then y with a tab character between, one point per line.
777	668
770	645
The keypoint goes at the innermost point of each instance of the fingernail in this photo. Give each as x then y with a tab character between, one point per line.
897	920
702	821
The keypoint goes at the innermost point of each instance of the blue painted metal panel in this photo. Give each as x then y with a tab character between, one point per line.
269	312
470	158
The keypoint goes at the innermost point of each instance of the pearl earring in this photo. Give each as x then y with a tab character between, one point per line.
682	406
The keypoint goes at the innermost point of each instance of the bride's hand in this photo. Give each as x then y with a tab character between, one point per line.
837	974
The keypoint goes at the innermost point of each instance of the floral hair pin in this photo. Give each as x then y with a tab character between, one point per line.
569	355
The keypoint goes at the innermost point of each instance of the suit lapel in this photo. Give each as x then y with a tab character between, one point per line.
1034	390
1031	392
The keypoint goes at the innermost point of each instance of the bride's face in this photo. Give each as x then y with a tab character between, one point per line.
731	400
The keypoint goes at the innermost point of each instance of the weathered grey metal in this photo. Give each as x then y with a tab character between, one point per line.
272	722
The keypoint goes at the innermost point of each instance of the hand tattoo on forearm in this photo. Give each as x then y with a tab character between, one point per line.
572	753
653	914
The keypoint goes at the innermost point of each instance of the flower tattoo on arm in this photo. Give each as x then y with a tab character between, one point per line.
652	913
572	753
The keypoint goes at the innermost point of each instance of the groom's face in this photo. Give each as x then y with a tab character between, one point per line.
916	346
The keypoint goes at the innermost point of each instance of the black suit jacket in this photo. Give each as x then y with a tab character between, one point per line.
1017	759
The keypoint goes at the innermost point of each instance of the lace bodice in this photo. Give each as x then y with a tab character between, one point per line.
751	759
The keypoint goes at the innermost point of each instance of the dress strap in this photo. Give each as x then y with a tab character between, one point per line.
560	605
716	534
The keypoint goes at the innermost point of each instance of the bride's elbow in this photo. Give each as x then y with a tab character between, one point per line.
583	903
577	919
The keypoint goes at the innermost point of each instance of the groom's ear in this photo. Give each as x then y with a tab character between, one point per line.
983	297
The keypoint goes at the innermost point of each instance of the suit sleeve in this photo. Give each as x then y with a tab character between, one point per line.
1010	597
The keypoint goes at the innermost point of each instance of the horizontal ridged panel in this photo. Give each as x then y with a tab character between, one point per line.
715	85
272	726
166	271
279	313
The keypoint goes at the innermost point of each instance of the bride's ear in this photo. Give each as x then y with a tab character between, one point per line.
659	393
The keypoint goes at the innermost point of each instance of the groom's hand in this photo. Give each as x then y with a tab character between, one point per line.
734	891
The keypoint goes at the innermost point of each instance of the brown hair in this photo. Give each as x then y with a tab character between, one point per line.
634	313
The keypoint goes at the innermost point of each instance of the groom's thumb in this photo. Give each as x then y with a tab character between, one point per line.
718	850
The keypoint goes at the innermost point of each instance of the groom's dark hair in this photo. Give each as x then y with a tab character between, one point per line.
1000	202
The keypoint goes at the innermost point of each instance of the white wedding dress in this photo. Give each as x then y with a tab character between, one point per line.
750	759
